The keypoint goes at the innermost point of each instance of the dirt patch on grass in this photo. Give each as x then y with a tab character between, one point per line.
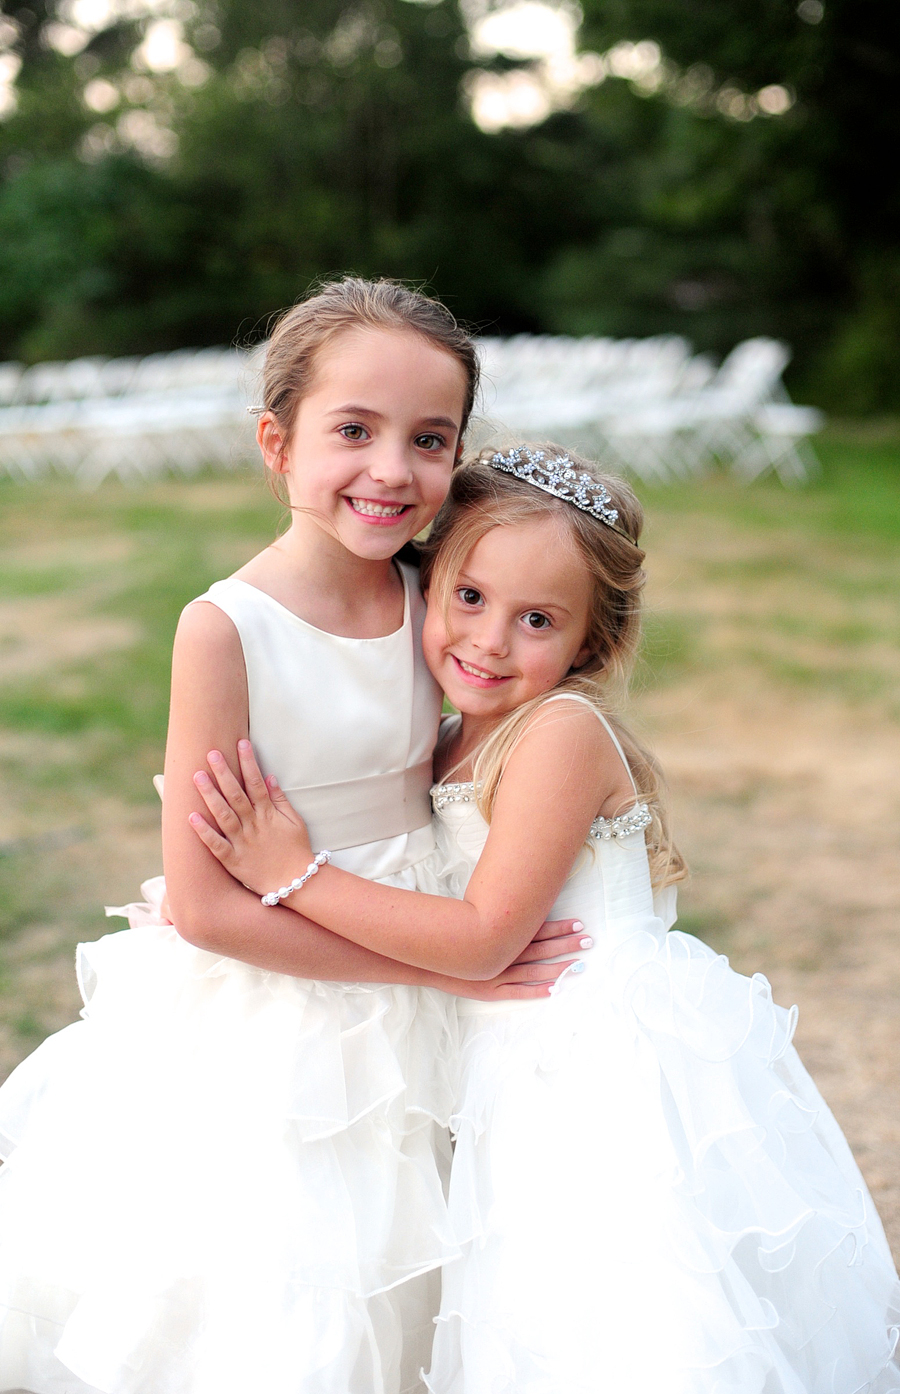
786	802
74	870
38	634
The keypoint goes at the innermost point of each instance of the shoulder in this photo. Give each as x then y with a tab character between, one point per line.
207	651
562	736
205	625
565	723
566	746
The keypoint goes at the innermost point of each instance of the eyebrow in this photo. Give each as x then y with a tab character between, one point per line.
354	409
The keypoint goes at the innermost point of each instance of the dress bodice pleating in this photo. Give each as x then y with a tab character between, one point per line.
608	890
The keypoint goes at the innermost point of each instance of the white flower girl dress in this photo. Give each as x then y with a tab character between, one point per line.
654	1197
225	1180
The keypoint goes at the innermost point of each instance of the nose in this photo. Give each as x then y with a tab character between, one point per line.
490	636
390	466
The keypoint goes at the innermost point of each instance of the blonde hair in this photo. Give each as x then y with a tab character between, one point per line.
482	498
303	331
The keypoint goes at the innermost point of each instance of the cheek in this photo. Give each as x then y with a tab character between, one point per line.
435	487
549	666
434	635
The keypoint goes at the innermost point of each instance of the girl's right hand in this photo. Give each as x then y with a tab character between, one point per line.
530	977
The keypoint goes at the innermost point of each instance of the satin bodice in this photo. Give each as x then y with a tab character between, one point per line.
347	725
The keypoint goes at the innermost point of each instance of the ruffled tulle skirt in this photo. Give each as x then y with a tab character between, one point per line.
654	1197
223	1181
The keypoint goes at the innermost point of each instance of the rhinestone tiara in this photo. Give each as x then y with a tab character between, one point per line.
556	475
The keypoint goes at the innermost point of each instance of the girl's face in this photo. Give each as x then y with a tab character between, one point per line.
374	439
518	620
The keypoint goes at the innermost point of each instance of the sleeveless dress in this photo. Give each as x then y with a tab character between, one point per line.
652	1196
226	1180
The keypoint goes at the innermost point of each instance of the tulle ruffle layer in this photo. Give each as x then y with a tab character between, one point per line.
655	1198
224	1180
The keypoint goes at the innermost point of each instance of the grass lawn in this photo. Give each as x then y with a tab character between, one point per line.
770	685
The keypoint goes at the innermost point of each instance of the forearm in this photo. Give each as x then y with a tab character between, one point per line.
232	922
429	932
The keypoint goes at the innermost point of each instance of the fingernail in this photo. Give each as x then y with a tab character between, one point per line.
194	820
243	745
586	943
215	758
272	782
201	777
578	967
577	926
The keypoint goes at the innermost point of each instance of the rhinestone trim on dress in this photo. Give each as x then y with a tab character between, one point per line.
442	794
604	829
634	821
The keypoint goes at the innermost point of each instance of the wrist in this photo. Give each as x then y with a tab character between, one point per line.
297	882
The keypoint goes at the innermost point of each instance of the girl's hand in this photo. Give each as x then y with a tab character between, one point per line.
520	982
530	977
261	840
554	939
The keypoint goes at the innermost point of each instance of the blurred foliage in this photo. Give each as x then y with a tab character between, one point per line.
300	141
791	224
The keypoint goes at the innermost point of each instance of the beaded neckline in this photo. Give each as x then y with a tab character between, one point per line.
604	829
444	794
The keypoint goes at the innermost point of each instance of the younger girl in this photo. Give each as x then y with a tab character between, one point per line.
227	1179
654	1196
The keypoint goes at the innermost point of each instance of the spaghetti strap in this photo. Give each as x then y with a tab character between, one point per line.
578	697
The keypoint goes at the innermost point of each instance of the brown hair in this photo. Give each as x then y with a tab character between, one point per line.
352	303
482	498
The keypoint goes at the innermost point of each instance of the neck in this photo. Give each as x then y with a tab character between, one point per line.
312	574
313	552
471	735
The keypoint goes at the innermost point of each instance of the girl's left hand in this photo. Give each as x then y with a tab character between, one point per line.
261	840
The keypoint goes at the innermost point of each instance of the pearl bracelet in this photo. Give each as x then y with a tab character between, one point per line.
273	897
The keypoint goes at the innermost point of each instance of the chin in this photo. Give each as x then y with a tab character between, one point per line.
377	548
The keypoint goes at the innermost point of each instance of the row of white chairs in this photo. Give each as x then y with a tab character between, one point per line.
102	378
649	406
652	407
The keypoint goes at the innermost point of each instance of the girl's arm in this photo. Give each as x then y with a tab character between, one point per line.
210	908
560	774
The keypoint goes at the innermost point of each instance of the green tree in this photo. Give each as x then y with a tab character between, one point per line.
143	209
787	225
323	139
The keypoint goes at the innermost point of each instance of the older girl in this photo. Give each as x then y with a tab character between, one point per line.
227	1178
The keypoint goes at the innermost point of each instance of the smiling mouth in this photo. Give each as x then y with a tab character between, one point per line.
369	508
479	676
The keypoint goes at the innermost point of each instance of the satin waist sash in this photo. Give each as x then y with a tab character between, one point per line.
357	811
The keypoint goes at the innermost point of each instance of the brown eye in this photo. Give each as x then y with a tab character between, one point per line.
353	431
469	595
535	620
430	441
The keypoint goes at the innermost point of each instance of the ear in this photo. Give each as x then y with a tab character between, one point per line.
583	655
270	439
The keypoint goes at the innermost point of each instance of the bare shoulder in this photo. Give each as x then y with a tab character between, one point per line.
204	626
565	726
566	748
208	670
